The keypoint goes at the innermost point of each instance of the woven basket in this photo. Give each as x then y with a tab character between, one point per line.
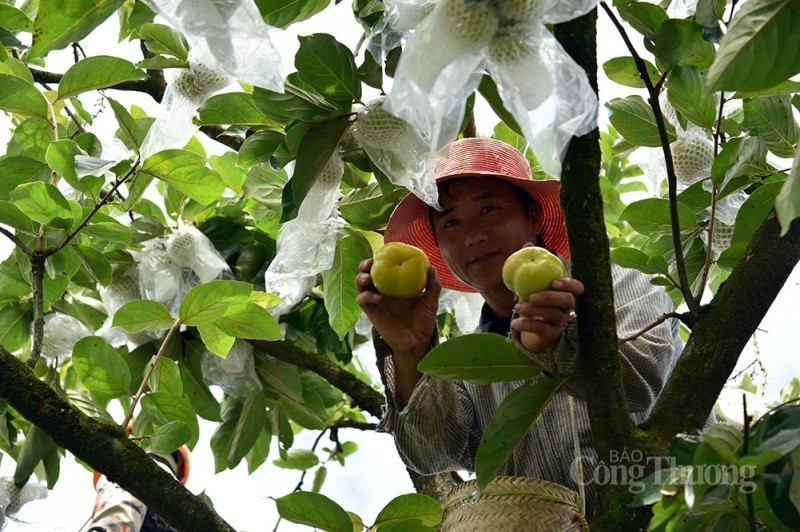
513	504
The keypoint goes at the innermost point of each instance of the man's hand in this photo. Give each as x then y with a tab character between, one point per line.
405	324
542	319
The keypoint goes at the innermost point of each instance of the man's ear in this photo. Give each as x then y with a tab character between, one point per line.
535	220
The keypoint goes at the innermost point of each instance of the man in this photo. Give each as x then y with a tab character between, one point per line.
491	208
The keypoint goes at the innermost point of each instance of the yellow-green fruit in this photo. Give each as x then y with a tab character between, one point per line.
470	27
530	270
400	270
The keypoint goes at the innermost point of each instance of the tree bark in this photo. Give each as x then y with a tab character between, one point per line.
105	448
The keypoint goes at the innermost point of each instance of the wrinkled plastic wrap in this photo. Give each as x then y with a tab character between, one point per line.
12	498
544	89
183	96
399	18
232	34
235	374
123	290
188	247
398	150
725	212
307	243
160	279
465	306
60	334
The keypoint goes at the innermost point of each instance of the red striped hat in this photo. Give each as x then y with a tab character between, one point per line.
476	157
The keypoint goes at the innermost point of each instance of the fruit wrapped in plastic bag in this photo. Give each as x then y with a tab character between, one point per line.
233	36
188	247
725	212
122	290
60	334
184	94
235	374
399	18
12	498
161	279
544	89
306	244
397	149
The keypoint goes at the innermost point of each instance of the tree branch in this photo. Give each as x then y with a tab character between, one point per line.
105	448
723	328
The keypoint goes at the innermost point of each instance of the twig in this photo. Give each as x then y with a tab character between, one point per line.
656	323
17	242
691	302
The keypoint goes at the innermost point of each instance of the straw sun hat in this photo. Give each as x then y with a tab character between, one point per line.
476	157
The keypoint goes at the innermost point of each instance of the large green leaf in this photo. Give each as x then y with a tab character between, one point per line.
249	320
652	216
340	290
634	119
410	507
20	96
98	72
644	17
787	204
216	340
161	39
515	415
234	108
293	104
329	67
14	19
196	390
623	70
258	148
367	208
282	13
143	314
41	202
772	119
491	358
187	172
59	24
207	302
315	510
163	407
129	130
166	377
17	170
37	445
100	367
681	43
760	48
686	91
15	325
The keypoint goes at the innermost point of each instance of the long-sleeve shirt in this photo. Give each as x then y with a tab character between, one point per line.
441	426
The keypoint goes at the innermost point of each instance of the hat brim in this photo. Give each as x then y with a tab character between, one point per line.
410	223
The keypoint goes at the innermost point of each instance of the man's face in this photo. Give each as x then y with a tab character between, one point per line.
482	222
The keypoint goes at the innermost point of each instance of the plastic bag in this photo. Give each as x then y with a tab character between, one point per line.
465	306
235	374
399	18
160	279
398	150
307	243
232	35
185	94
60	334
12	498
188	247
123	290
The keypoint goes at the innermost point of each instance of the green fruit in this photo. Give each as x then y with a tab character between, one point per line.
379	128
530	270
514	11
400	270
471	28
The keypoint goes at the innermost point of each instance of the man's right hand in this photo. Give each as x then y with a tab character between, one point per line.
406	325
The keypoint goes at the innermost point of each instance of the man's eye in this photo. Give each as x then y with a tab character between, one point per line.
449	223
490	208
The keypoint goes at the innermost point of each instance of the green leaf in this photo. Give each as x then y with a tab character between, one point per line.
686	91
169	437
787	204
681	43
60	156
631	258
635	121
96	263
623	70
16	170
129	130
143	314
301	459
15	326
760	48
58	25
515	415
329	67
100	367
259	453
250	321
31	138
282	13
652	216
315	150
187	172
644	17
41	202
14	19
293	104
411	506
162	408
205	303
492	358
771	118
20	96
36	447
166	377
161	39
248	427
215	339
98	72
367	208
340	290
315	510
258	148
234	108
196	390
